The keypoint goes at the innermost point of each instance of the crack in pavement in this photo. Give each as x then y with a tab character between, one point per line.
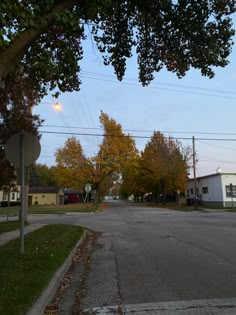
194	245
120	299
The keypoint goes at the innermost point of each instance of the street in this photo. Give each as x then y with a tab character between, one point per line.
145	256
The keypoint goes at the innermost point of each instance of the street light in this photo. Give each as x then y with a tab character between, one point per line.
57	106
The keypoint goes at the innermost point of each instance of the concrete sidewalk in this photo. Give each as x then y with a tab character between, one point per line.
13	235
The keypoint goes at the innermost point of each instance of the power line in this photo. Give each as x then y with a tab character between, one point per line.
142	130
162	83
207	159
157	87
135	136
217	146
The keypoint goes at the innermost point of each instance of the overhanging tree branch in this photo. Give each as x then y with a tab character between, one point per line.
15	51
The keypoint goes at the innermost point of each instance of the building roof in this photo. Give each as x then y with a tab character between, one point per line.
211	175
46	190
68	191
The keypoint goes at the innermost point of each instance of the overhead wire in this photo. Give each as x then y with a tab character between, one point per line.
217	146
107	79
163	83
143	130
91	118
207	159
135	136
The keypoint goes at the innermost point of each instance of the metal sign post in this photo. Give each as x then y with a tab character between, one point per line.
178	192
22	197
232	194
28	148
88	188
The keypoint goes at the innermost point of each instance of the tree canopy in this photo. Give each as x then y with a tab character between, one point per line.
161	168
14	119
116	152
116	149
73	168
42	175
164	165
42	41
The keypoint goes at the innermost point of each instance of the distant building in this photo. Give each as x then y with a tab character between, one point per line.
14	196
45	196
214	190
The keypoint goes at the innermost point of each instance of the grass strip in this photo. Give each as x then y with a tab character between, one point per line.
23	278
62	209
7	226
54	209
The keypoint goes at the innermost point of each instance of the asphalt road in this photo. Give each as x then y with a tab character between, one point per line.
143	258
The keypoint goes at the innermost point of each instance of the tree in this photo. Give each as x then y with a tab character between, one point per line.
132	183
14	119
42	40
73	169
164	165
42	175
116	152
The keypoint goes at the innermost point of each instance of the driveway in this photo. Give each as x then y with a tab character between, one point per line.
153	261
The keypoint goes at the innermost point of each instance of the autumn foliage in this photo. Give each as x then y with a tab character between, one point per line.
164	165
73	169
161	168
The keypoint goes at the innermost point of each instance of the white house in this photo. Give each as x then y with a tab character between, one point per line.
13	197
215	190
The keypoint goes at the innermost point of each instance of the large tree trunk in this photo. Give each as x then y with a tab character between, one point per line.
98	193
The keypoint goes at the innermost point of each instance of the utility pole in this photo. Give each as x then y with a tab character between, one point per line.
194	176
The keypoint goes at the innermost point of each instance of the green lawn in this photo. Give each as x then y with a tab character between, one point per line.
79	207
8	226
60	209
23	278
173	206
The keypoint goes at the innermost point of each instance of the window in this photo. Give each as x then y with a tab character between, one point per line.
205	190
191	190
230	191
13	196
4	196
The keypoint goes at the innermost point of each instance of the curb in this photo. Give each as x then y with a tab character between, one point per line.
47	295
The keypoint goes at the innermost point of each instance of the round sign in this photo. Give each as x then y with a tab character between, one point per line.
31	148
88	187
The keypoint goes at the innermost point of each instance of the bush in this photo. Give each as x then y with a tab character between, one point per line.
12	203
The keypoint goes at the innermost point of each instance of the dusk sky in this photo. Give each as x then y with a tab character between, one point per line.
181	108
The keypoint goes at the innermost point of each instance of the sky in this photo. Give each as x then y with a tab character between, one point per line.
182	108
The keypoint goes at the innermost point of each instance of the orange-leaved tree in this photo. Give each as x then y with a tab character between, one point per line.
73	168
164	165
132	181
116	151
